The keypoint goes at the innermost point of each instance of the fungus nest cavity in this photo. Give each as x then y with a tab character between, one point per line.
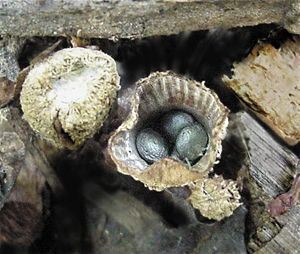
67	98
174	133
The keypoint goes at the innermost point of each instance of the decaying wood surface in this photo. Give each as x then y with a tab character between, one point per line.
12	155
23	214
271	170
271	165
9	52
287	240
268	81
136	227
11	117
23	166
21	218
9	68
136	19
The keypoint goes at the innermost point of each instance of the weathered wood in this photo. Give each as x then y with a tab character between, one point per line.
134	19
12	155
9	68
136	218
34	147
119	223
271	169
292	17
271	165
9	52
22	217
287	240
268	81
6	91
22	194
11	117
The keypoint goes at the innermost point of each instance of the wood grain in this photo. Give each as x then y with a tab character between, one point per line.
132	19
271	168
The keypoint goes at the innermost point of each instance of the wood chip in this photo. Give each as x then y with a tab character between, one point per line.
268	81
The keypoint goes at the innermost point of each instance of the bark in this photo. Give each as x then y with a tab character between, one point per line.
23	183
12	155
24	169
136	19
24	212
269	169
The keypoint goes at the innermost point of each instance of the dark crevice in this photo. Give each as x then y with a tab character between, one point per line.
35	45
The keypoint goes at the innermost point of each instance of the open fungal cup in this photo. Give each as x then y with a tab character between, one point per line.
67	97
204	122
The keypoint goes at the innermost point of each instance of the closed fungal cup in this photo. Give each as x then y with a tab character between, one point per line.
172	135
67	97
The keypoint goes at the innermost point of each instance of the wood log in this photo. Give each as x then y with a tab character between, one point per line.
25	209
12	155
269	169
22	217
26	204
22	213
120	223
137	19
11	117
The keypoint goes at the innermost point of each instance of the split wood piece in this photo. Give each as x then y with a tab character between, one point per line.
272	168
25	200
12	155
288	237
268	81
9	51
287	240
25	209
135	217
11	118
137	19
9	67
24	212
271	165
38	149
119	223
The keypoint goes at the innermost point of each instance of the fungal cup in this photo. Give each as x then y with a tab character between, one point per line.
154	96
67	97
